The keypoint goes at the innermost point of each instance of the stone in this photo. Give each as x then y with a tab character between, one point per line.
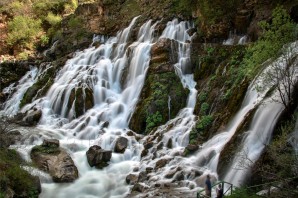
161	163
144	152
138	187
57	163
149	169
142	176
131	179
148	145
170	143
50	143
121	145
32	117
98	157
192	147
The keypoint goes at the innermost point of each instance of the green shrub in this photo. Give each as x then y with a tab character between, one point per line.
53	19
280	31
23	30
204	108
153	120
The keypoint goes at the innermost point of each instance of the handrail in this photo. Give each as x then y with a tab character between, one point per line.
220	182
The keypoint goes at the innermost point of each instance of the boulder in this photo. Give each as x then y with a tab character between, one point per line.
131	179
51	143
161	163
139	187
55	161
98	157
121	145
32	117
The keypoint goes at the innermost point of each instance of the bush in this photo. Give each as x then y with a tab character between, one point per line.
275	34
23	30
53	19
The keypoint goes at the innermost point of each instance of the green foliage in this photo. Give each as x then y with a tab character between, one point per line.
279	31
203	96
53	19
153	120
184	7
44	40
242	193
205	122
14	177
214	11
204	108
23	30
46	149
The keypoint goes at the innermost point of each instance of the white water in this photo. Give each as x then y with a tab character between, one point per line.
11	106
100	69
262	125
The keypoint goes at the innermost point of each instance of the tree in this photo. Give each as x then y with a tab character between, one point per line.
283	76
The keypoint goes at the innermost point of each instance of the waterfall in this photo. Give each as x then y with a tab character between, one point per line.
177	129
11	106
262	125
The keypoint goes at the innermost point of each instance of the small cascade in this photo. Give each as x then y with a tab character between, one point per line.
16	92
171	138
235	39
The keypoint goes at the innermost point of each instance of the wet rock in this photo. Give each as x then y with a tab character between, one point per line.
51	143
170	143
179	176
142	176
144	152
121	145
98	157
131	179
148	145
192	148
139	187
149	170
105	124
172	172
161	163
159	146
56	161
32	117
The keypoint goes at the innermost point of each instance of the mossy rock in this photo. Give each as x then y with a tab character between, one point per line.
52	150
40	87
83	98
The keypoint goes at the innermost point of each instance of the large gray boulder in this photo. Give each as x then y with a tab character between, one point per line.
54	160
121	145
98	157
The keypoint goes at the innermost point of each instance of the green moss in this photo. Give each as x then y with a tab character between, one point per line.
152	110
40	87
54	150
14	177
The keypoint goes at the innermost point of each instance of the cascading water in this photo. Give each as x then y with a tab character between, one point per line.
262	125
100	70
11	106
177	129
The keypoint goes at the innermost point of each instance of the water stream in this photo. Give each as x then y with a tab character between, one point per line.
101	70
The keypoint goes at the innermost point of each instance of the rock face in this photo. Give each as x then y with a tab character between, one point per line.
160	84
31	118
54	160
98	157
121	145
